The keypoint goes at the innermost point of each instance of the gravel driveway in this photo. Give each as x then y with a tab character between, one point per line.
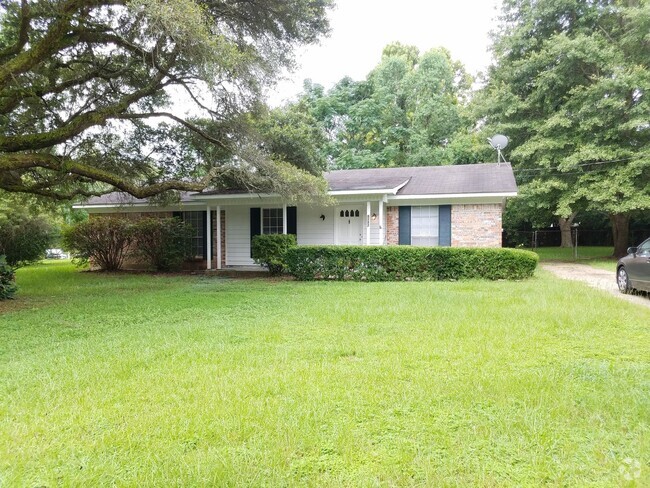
596	278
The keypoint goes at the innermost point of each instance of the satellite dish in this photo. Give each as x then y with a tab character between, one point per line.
499	142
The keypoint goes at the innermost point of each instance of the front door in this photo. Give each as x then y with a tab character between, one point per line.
349	225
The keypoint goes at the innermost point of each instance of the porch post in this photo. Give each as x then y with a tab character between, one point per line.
218	236
284	219
208	236
367	223
381	222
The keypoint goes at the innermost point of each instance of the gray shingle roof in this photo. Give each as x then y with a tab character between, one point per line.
422	180
428	180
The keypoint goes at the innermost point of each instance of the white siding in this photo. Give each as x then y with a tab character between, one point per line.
374	226
312	229
238	236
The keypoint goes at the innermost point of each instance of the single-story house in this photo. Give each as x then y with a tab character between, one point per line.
459	206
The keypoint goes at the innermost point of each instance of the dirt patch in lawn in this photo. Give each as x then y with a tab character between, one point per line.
596	278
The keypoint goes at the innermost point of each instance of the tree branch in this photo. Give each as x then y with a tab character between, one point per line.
22	34
181	121
82	122
17	162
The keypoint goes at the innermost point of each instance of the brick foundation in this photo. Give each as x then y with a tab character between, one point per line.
476	225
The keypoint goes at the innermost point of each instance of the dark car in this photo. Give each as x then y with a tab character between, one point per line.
633	270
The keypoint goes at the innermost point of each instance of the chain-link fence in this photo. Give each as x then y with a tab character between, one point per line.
533	239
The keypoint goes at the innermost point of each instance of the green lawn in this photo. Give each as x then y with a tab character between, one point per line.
136	380
585	253
596	256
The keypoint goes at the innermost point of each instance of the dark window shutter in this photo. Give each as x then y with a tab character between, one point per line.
256	225
444	225
292	220
404	225
204	232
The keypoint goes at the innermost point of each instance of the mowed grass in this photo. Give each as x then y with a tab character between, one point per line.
595	256
585	253
136	380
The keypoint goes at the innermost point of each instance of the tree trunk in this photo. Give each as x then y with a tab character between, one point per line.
565	230
620	233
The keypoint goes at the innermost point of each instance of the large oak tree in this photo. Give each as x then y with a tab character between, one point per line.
143	96
571	86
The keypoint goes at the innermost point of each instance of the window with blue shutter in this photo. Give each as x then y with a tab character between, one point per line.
444	223
404	225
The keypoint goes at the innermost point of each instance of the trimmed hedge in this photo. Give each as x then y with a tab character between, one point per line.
270	250
405	263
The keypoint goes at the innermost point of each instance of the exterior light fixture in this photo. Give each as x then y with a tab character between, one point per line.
322	216
374	217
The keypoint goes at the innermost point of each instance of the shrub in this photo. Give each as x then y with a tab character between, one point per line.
269	250
163	243
24	239
381	263
105	241
7	280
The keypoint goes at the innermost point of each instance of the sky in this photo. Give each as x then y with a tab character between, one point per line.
361	29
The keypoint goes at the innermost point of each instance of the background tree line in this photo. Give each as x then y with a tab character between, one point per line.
569	85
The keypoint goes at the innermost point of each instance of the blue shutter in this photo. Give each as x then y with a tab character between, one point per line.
404	225
292	221
444	225
256	225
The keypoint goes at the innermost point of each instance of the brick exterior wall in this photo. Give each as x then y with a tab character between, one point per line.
476	225
392	226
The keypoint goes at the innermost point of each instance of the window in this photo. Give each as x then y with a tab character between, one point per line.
424	226
644	248
272	221
197	221
349	213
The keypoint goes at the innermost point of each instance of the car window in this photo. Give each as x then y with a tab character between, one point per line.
644	247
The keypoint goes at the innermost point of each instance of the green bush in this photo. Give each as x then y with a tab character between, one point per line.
7	280
388	263
163	243
105	241
24	239
269	250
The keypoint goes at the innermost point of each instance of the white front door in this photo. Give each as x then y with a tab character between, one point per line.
349	225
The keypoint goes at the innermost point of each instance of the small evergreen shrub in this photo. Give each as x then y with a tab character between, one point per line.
404	263
163	243
7	280
270	250
105	241
24	239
